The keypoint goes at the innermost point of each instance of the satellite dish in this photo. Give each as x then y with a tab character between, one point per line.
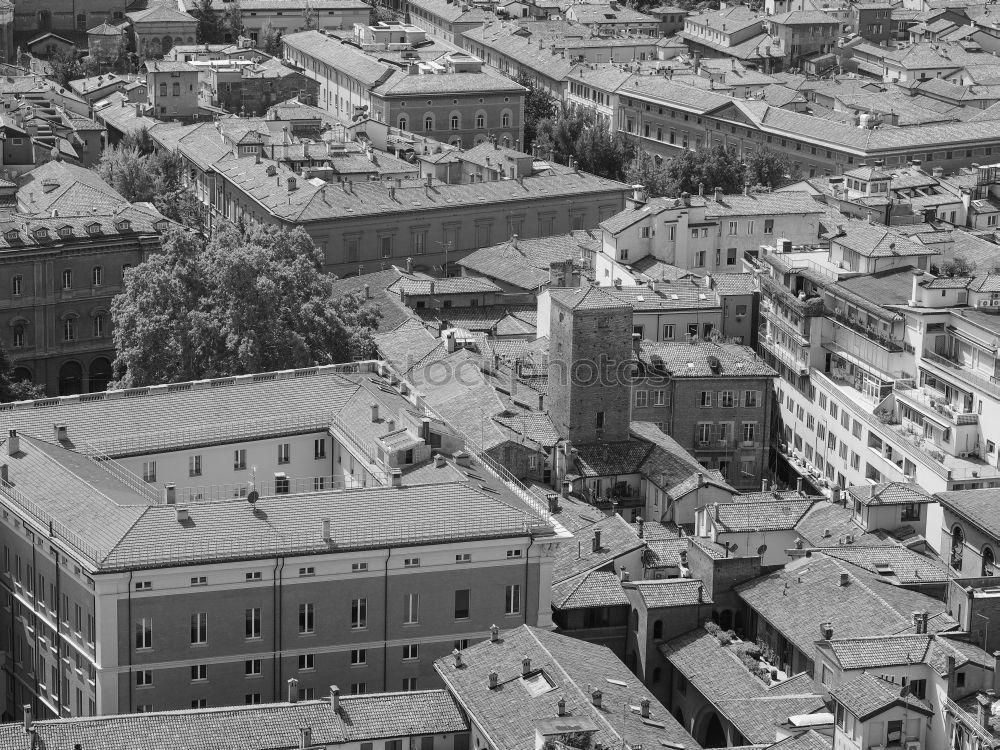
762	549
733	547
253	496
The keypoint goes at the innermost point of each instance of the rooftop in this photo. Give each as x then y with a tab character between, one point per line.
867	695
978	507
704	360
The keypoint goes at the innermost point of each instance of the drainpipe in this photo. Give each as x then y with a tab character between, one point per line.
279	567
385	624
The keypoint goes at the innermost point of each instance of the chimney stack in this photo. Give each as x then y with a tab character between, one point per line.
13	443
597	540
494	634
374	412
644	708
596	697
61	432
293	690
561	706
624	574
525	666
494	679
334	698
183	515
984	708
718	195
326	531
397	478
27	718
553	500
458	657
642	526
845	579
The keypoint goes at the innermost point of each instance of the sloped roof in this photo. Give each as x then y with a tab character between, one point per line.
594	588
686	360
524	263
617	540
867	695
773	516
672	592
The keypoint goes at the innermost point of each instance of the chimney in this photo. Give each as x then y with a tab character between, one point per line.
917	274
183	515
409	265
397	478
596	698
439	461
525	666
845	579
924	616
763	485
641	523
718	195
561	706
798	486
638	193
567	487
291	183
916	622
597	540
326	531
4	475
368	291
170	494
624	574
61	432
430	180
334	699
513	380
984	708
293	690
27	718
305	737
458	657
494	634
494	679
541	402
644	708
450	341
374	412
826	631
13	443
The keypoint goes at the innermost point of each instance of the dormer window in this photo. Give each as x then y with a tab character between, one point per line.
41	233
66	231
12	235
161	225
123	225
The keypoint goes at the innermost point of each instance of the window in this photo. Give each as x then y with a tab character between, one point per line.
239	459
768	226
143	585
960	679
199	672
463	557
143	678
307	694
319	448
69	329
751	398
749	431
642	399
149	471
512	599
307	571
252	699
99	325
705	399
194	466
307	661
733	228
428	123
462	604
254	575
199	628
454	122
668	332
17	285
411	609
409	683
599	420
199	581
307	622
726	399
411	651
411	562
284	453
480	121
251	667
67	279
359	614
143	633
659	397
360	688
359	567
97	276
359	656
18	336
253	622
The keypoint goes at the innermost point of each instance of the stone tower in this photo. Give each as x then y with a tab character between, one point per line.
590	345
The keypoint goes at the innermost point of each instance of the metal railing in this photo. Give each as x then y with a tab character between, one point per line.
939	405
988	384
267	487
513	483
868	332
970	722
118	471
55	528
378	469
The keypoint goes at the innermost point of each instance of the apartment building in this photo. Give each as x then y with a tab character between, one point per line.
451	98
130	589
376	223
715	400
887	375
429	718
291	17
704	233
67	248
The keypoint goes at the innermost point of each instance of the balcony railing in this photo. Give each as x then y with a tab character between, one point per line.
868	332
798	363
774	317
937	404
988	384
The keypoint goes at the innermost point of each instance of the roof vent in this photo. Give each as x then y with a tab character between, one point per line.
494	679
845	579
183	515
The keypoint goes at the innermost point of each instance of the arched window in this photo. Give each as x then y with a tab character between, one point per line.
505	119
69	329
480	121
989	561
17	285
635	620
957	546
17	339
100	325
403	123
428	123
67	278
176	89
97	275
455	122
657	629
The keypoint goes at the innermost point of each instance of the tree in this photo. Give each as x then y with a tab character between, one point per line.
11	387
958	267
769	169
245	302
704	169
539	105
234	20
126	170
643	170
309	16
67	66
270	40
600	152
209	24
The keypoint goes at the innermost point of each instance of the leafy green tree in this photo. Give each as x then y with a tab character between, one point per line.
958	267
708	167
234	20
538	105
309	16
270	41
643	170
210	26
600	152
242	303
126	170
67	65
769	169
12	388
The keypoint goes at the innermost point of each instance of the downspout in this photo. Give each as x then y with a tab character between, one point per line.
385	623
59	615
34	640
279	567
527	558
131	682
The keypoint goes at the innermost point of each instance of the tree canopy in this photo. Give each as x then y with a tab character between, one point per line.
211	27
141	173
578	133
13	389
270	40
538	105
243	302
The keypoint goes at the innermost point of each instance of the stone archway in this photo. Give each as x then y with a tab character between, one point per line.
99	375
707	729
70	379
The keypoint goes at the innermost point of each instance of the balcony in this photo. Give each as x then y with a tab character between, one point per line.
776	319
934	403
798	363
952	369
868	332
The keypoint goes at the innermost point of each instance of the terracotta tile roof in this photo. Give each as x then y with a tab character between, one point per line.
586	298
561	666
867	695
608	459
453	285
672	592
534	426
683	360
617	540
890	493
979	507
808	591
403	84
894	563
828	525
678	295
727	284
595	588
666	552
772	516
758	718
524	263
810	740
347	59
268	727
